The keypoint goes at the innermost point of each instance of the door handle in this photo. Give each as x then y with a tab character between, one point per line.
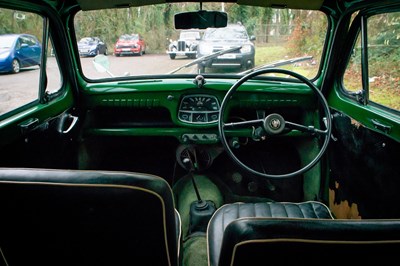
381	126
67	119
28	125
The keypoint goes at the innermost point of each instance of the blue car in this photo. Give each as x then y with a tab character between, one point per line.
18	51
91	46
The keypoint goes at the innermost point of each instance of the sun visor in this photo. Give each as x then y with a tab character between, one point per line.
292	4
102	4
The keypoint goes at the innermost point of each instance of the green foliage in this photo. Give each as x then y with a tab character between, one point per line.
384	29
383	58
251	17
155	22
308	35
384	45
12	21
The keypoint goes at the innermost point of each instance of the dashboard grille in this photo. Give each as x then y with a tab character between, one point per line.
116	102
129	118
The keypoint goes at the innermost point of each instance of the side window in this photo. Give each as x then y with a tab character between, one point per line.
21	52
382	80
54	80
384	59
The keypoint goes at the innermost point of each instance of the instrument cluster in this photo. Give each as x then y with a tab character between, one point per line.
199	109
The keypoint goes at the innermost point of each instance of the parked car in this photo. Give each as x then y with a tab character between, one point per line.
186	45
91	46
218	39
293	162
130	44
18	51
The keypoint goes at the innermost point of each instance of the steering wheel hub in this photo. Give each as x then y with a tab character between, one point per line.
274	124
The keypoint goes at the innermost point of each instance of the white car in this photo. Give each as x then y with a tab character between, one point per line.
186	45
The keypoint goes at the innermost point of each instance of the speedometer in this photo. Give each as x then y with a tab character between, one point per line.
199	103
199	108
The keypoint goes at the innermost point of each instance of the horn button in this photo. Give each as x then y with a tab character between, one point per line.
274	124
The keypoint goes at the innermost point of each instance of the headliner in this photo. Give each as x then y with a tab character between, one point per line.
294	4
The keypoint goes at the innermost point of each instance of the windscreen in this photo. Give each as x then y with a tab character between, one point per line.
144	41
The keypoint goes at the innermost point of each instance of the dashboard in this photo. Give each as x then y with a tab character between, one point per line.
178	108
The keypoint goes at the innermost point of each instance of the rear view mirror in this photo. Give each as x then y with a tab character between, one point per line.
200	20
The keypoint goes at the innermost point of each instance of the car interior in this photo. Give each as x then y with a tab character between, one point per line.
111	160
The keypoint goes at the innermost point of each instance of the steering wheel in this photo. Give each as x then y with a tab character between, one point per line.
274	124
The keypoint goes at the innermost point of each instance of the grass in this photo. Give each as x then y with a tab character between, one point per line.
387	97
272	54
387	94
268	54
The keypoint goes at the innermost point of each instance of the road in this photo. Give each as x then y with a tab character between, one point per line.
22	88
137	65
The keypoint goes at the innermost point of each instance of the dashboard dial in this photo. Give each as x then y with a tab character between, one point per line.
199	108
199	103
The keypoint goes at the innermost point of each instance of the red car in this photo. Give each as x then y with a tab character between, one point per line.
130	44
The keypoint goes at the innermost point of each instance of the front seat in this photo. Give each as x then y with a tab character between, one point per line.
297	234
73	217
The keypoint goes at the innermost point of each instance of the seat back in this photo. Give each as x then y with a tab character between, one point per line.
71	217
293	241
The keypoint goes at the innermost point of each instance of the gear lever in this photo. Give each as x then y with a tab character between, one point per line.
191	167
200	210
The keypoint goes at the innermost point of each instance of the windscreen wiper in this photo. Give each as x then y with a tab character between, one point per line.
277	64
206	57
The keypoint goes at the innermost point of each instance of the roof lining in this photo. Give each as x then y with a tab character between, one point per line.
293	4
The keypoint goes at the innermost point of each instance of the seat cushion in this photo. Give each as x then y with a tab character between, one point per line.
231	212
73	217
299	241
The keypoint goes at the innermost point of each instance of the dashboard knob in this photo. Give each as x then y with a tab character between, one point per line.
185	139
234	143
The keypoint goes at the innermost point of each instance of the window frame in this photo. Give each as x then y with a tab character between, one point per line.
359	28
43	96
